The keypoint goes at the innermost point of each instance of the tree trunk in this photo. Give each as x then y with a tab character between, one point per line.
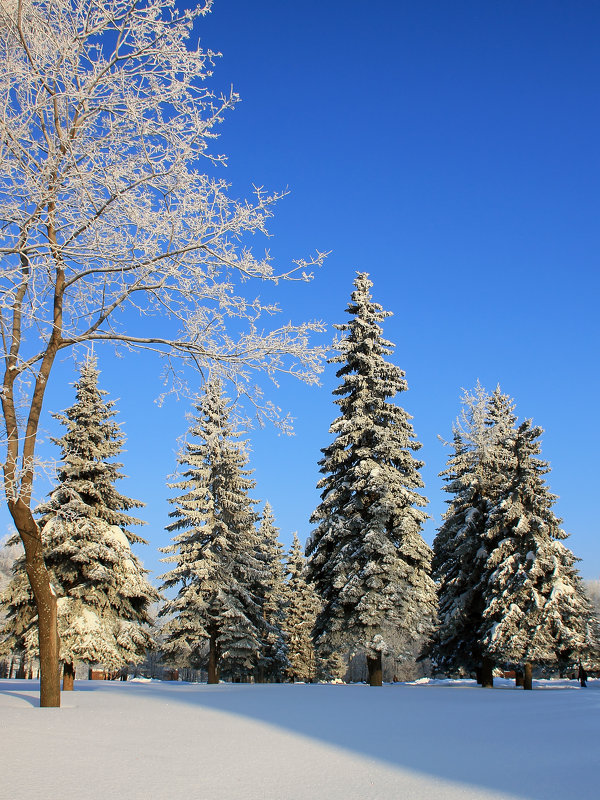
519	677
68	677
375	670
487	673
478	675
20	674
45	601
528	677
213	669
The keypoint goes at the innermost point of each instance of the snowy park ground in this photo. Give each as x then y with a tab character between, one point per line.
421	741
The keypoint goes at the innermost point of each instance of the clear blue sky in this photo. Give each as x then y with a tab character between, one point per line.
450	149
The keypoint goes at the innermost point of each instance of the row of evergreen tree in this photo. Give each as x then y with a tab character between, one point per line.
499	587
234	592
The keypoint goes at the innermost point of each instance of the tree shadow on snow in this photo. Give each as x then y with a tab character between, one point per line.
11	689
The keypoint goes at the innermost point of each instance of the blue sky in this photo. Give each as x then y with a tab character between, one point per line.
450	149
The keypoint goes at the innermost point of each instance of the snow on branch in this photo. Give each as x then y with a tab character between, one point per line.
109	229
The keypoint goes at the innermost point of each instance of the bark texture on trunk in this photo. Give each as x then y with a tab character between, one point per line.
528	677
20	449
487	673
45	601
213	666
374	666
68	677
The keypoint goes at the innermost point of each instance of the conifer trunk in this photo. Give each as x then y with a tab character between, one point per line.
487	673
68	677
375	670
519	677
213	671
528	677
20	673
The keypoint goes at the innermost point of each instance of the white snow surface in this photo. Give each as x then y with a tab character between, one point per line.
429	740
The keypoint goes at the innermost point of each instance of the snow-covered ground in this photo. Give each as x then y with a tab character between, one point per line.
423	741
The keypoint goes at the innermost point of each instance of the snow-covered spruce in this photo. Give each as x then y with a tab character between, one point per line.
17	615
368	560
301	607
474	474
509	593
104	595
270	592
215	550
535	609
456	562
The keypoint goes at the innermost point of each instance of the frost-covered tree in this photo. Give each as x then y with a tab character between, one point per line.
509	592
9	637
474	475
535	608
301	605
456	564
592	590
214	550
9	552
17	610
112	232
368	560
104	596
270	592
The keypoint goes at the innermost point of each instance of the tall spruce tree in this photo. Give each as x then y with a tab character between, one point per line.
535	608
274	660
368	560
508	589
104	596
475	473
215	549
301	605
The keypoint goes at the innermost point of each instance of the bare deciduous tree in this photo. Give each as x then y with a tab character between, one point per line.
109	229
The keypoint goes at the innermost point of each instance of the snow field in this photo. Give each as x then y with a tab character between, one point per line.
425	741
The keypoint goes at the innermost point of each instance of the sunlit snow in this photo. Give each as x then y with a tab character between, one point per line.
430	740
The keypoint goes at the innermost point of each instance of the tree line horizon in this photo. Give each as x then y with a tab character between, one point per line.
371	585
